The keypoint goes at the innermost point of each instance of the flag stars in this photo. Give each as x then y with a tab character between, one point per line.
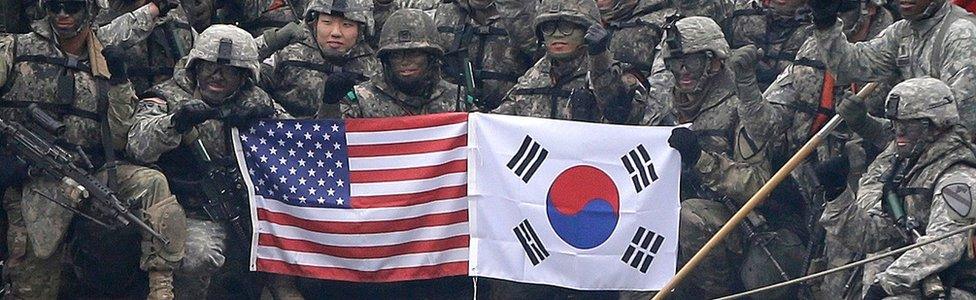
298	126
328	154
243	138
261	123
302	181
264	159
270	132
283	179
338	165
291	152
320	163
254	148
331	192
289	134
274	169
316	127
292	189
321	182
281	143
311	191
260	181
291	171
302	200
310	153
336	146
308	136
340	201
274	151
330	173
339	183
263	141
301	162
282	161
280	125
252	130
318	145
335	127
311	173
326	136
321	200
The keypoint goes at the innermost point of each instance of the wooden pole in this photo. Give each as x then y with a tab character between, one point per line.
758	198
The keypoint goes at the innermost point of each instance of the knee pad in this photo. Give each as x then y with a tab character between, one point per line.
167	217
205	245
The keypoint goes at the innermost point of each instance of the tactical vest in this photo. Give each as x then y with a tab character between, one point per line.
300	75
63	87
373	101
551	94
919	184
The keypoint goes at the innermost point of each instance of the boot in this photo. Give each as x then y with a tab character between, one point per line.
160	285
282	288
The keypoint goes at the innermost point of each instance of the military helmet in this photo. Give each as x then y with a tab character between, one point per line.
582	12
93	7
226	45
922	98
695	34
409	29
357	10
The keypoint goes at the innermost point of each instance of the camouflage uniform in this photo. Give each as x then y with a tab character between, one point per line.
488	39
154	140
34	70
296	76
779	35
547	89
717	10
158	45
940	46
637	27
935	192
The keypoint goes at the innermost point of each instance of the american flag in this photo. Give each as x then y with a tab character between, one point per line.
366	200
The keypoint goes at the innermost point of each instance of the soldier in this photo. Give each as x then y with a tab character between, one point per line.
776	27
255	16
635	28
936	39
214	91
576	79
482	35
717	10
332	60
59	66
920	186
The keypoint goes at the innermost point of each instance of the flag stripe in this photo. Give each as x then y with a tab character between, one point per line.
401	123
389	274
372	214
407	135
408	147
406	161
399	261
410	199
640	168
407	186
536	164
525	244
417	246
364	226
454	166
365	240
536	239
528	159
521	151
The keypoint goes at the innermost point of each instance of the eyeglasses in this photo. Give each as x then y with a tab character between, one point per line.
691	62
564	28
208	70
71	7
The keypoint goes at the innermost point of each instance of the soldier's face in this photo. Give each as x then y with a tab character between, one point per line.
913	9
409	66
336	34
66	17
216	82
689	70
912	135
563	39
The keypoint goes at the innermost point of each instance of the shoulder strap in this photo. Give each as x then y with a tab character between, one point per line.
935	59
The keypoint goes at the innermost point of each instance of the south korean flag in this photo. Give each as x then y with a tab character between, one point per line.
578	205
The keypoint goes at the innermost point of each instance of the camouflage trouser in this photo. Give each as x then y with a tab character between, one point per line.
718	274
35	277
206	244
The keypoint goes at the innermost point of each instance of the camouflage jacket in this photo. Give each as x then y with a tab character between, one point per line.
948	165
156	45
495	57
908	49
635	36
295	76
545	91
717	10
780	37
377	98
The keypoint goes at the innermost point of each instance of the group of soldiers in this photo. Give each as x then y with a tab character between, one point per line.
147	91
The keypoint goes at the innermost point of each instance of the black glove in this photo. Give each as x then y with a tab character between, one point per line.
743	63
832	175
115	58
582	105
853	109
240	117
191	113
824	13
597	39
165	6
338	85
686	142
875	292
279	38
199	12
15	170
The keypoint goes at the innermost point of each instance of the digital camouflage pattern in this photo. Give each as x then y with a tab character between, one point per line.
717	10
905	50
636	33
37	225
489	39
779	36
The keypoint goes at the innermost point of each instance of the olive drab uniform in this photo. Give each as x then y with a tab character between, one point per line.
154	140
487	39
295	76
546	89
939	46
156	45
34	70
932	186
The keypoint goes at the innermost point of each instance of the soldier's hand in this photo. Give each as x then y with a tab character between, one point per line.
337	85
832	175
191	113
241	116
597	39
282	37
165	6
824	13
853	109
199	13
115	59
875	292
686	142
743	64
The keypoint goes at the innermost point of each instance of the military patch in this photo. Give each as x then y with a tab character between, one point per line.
959	197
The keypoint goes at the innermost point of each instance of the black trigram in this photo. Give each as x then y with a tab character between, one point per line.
528	159
642	248
638	163
530	242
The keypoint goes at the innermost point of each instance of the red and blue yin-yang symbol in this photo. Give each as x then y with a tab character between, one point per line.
583	206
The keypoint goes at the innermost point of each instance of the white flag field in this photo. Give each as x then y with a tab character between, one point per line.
572	204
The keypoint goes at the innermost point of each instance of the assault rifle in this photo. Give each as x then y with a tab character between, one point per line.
219	194
35	150
749	229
